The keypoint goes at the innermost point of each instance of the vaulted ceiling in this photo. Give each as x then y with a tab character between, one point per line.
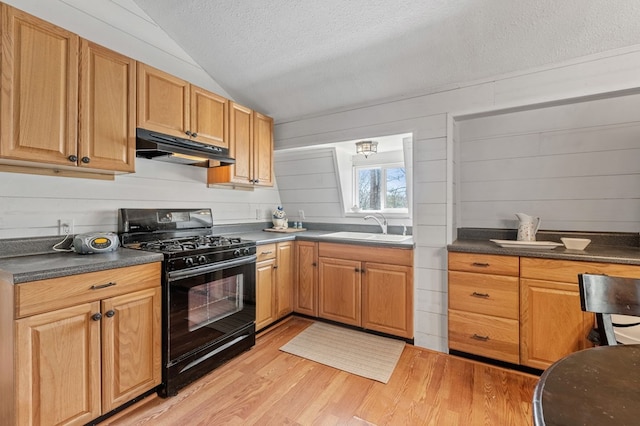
291	59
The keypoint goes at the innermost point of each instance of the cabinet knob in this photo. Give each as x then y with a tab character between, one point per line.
86	160
97	316
110	313
362	271
73	158
188	132
314	264
357	269
275	266
194	134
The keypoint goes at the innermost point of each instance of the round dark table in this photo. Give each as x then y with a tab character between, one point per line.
596	386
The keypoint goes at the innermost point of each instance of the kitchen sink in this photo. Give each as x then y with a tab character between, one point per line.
367	236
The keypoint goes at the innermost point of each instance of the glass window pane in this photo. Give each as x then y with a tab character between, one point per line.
396	196
369	188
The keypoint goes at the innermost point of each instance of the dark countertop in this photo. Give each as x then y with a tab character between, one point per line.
19	265
265	237
26	268
605	247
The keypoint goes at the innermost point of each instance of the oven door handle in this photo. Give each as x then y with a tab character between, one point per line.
199	270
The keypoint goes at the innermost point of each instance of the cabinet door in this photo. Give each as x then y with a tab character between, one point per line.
265	293
284	279
387	293
58	366
131	351
262	150
39	110
209	117
107	137
339	296
552	324
163	102
306	286
241	139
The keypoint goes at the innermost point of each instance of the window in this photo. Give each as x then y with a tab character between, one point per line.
381	188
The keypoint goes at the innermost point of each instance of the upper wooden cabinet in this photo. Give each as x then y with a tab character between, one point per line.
107	109
251	145
172	106
65	101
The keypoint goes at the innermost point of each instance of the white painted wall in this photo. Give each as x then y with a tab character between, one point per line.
30	205
431	118
576	166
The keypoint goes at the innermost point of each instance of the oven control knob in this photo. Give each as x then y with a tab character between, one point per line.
202	259
237	253
189	261
246	251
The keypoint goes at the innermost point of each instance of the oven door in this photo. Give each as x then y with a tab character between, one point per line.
208	304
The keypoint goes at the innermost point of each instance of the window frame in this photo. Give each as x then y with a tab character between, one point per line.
384	166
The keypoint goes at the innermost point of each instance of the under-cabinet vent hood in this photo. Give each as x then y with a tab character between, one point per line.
161	147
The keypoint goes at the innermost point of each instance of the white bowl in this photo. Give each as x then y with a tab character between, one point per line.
575	243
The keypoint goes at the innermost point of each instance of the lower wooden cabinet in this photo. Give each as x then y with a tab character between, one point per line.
99	348
552	323
518	309
368	287
484	305
305	296
339	291
274	282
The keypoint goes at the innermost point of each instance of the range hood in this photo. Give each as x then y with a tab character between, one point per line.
161	147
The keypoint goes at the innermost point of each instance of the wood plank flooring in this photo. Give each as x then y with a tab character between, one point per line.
265	386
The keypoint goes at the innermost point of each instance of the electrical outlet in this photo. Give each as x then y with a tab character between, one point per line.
65	226
301	214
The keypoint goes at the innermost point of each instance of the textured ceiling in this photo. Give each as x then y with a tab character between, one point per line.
291	58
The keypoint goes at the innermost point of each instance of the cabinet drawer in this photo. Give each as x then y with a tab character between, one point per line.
48	295
568	270
495	295
484	263
266	251
484	335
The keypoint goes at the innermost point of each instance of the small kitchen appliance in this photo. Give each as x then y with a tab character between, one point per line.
208	289
527	227
96	242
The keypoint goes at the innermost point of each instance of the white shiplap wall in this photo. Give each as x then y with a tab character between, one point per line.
576	166
431	118
30	205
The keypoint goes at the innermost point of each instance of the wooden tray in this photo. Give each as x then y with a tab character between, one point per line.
285	230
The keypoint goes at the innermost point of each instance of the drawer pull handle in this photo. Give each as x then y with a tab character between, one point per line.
99	286
481	338
480	264
268	252
482	295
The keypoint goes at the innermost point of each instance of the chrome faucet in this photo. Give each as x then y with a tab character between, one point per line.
382	224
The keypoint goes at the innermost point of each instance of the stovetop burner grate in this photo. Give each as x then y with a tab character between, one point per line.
190	243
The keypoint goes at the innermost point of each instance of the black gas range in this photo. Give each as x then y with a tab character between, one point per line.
208	287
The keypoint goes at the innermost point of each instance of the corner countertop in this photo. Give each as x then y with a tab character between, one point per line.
26	268
605	247
264	237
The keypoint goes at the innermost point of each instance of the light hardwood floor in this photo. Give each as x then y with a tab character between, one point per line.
265	386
